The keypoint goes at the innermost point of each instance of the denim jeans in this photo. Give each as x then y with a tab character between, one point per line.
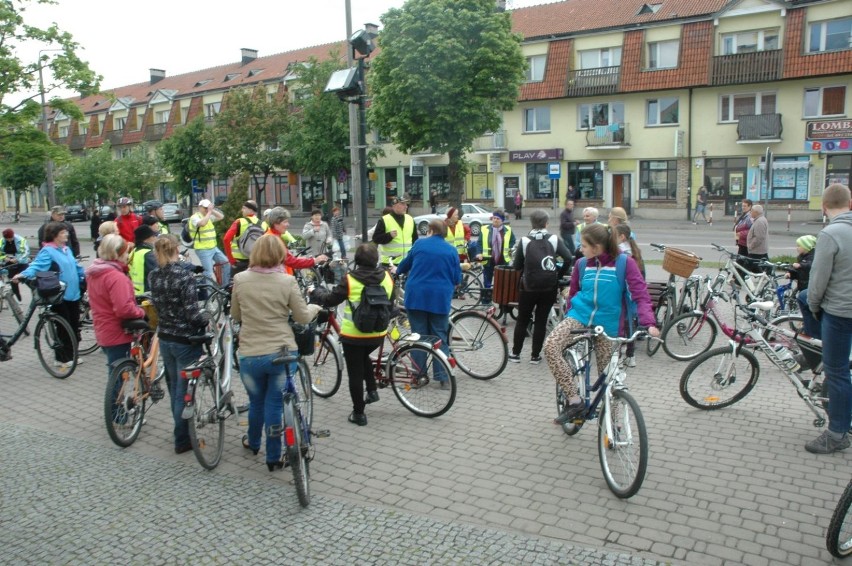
342	248
177	356
115	353
211	256
431	324
264	382
810	324
835	363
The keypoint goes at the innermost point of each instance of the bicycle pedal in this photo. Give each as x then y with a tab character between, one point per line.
157	393
323	433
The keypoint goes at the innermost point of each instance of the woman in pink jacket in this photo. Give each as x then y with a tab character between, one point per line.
111	297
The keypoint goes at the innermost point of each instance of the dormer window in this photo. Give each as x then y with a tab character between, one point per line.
648	9
255	72
202	83
231	76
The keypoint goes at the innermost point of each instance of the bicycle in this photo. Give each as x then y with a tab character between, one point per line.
132	383
622	436
757	286
723	376
49	330
838	538
8	299
478	343
684	300
87	343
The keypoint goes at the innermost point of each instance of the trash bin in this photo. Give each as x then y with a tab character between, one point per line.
506	283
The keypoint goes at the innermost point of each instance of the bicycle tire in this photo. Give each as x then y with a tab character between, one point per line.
689	335
470	288
623	463
478	344
838	540
410	370
573	354
47	343
792	322
296	457
124	405
304	383
14	306
662	316
712	372
206	425
326	367
88	343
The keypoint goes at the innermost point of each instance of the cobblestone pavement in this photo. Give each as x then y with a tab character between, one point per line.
492	481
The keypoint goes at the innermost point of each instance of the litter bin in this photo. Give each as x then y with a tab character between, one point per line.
506	283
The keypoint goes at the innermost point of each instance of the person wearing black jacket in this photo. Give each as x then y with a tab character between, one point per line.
395	232
567	225
57	214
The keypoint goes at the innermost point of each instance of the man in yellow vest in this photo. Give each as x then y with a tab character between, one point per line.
494	246
395	232
204	240
231	241
154	209
142	259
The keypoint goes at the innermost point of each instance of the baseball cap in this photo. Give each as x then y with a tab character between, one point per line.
205	203
58	209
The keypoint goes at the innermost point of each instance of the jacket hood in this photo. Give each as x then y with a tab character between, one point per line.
845	218
102	266
369	275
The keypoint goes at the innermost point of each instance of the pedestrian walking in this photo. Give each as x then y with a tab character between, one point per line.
700	205
433	201
519	202
742	226
567	225
338	230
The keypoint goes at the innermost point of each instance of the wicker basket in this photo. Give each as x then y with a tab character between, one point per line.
151	313
680	262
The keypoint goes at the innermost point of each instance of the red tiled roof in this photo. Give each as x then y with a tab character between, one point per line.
573	16
555	74
798	64
695	46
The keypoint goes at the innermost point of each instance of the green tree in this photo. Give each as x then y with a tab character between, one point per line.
233	205
245	136
21	178
139	174
92	178
320	134
447	71
22	155
187	156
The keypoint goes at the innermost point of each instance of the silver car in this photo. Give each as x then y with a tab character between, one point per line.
474	215
172	212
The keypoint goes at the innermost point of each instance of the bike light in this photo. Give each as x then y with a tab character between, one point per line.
135	351
452	361
289	436
187	398
436	345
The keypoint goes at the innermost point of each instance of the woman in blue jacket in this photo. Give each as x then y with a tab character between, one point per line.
596	300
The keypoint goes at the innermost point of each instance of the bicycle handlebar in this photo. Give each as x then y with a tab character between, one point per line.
659	247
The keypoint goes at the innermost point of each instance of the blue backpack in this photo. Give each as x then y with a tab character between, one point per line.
629	307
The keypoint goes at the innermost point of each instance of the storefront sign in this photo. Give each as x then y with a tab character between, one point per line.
416	168
829	129
532	155
828	146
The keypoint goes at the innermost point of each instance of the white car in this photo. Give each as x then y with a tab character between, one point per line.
474	215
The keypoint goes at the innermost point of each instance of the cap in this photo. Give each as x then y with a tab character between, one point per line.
205	203
395	200
251	204
153	205
124	201
143	232
807	243
8	233
58	209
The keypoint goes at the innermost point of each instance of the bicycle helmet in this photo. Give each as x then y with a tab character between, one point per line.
125	201
153	205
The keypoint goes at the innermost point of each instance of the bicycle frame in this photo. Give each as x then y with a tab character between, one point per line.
9	340
611	378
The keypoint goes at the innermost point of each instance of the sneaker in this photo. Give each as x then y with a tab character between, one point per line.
630	361
372	397
535	360
570	412
825	444
515	358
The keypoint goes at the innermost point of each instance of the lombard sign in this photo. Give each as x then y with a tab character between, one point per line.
829	129
536	155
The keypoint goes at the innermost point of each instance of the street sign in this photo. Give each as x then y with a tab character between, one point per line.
554	170
195	187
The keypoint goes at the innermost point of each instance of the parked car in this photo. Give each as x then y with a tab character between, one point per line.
76	212
173	212
474	215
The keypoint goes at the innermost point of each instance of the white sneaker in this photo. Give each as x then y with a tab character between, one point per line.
79	361
630	361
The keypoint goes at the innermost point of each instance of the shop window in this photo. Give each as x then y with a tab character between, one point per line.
789	179
658	180
439	180
538	181
587	178
414	186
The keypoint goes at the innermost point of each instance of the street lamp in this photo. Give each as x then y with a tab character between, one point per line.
48	167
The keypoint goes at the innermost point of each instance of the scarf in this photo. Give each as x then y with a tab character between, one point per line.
497	245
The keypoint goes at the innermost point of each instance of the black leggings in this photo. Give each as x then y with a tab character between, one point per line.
541	302
70	311
360	370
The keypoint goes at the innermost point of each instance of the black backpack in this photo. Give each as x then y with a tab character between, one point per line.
540	270
185	237
249	236
373	313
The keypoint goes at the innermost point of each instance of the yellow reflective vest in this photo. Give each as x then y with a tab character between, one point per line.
137	269
206	239
235	243
456	237
355	289
399	247
485	236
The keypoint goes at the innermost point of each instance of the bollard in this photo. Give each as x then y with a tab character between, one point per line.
710	222
789	212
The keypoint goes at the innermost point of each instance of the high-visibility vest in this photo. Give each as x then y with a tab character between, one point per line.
164	228
355	289
456	237
235	243
485	234
137	269
399	247
206	239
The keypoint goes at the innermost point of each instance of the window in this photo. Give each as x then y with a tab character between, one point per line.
657	180
663	54
732	106
161	117
538	181
789	178
120	123
749	41
535	67
537	119
587	178
662	111
594	58
83	129
825	101
210	110
439	180
603	114
833	35
282	190
63	131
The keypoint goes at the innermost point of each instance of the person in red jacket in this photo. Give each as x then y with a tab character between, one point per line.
127	220
111	297
238	260
278	220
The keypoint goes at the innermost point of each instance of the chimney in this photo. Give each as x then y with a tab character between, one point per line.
248	55
157	75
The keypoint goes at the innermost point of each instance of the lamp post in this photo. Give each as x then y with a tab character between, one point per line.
48	166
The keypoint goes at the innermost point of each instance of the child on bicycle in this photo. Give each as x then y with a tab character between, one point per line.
596	300
801	272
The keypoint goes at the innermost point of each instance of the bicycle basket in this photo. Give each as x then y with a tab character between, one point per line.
679	262
150	314
304	337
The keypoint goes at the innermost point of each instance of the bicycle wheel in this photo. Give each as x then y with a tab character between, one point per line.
306	399
124	404
470	288
478	344
296	457
688	336
573	355
662	316
717	378
326	367
51	334
87	343
14	306
411	370
206	425
838	538
623	445
792	322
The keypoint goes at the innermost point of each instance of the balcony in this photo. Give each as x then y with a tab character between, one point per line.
78	142
761	128
756	67
612	136
155	132
590	82
114	137
494	142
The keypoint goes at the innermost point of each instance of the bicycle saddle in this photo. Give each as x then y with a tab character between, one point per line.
135	324
761	305
201	339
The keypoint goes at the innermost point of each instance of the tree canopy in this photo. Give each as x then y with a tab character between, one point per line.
187	156
446	72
